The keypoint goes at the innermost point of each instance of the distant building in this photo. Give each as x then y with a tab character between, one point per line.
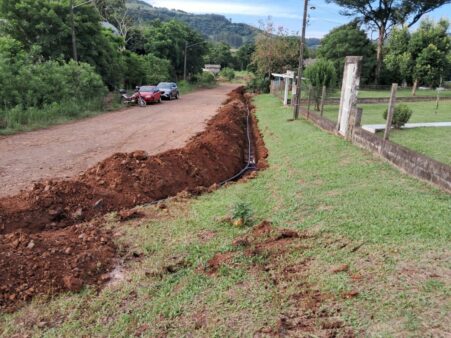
215	69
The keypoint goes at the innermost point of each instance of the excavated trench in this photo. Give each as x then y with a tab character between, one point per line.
50	238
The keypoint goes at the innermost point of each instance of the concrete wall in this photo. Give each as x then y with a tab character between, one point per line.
407	160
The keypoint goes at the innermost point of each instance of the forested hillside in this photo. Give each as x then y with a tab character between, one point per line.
216	27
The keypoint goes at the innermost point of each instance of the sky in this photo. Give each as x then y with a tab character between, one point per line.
287	13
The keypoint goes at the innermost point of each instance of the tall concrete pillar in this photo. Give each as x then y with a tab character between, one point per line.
287	88
349	92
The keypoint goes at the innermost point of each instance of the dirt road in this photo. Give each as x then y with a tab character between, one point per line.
66	150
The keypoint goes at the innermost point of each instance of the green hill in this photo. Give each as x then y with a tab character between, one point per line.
215	27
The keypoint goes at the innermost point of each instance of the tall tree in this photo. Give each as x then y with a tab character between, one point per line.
220	53
244	56
45	24
167	40
383	15
430	47
116	13
348	40
275	50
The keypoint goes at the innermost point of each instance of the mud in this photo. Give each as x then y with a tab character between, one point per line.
46	244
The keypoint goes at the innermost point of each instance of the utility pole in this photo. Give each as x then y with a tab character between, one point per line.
185	61
186	56
301	63
74	38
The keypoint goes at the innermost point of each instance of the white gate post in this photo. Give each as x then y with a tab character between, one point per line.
349	91
287	87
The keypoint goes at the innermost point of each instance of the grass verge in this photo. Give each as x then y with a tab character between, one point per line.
422	112
19	120
391	231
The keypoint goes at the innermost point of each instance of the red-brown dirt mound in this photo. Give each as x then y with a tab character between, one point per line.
52	261
125	180
44	252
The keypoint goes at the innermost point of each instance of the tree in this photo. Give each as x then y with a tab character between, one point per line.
45	24
398	58
321	73
244	56
116	13
137	41
348	40
275	50
430	66
428	33
220	54
167	41
383	15
419	56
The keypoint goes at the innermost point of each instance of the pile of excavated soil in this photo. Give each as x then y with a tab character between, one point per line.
49	262
126	180
43	251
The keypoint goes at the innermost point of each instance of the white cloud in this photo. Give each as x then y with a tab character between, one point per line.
222	7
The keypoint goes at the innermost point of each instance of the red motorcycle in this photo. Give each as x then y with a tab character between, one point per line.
135	99
142	96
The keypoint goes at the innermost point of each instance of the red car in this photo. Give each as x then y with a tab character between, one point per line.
149	94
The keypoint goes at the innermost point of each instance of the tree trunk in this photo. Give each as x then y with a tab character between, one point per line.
380	56
414	89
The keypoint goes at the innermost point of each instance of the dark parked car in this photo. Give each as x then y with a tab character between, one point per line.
169	90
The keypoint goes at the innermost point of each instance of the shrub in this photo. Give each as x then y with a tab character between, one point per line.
205	79
401	115
321	73
38	93
241	214
259	85
227	73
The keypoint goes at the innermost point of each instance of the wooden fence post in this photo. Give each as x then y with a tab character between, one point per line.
391	109
309	101
323	99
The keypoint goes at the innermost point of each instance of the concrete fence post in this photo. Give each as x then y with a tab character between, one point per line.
285	94
349	92
391	110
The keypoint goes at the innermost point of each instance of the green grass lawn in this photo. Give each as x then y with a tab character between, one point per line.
422	112
432	142
392	230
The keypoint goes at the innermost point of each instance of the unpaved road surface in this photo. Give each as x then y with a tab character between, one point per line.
66	150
